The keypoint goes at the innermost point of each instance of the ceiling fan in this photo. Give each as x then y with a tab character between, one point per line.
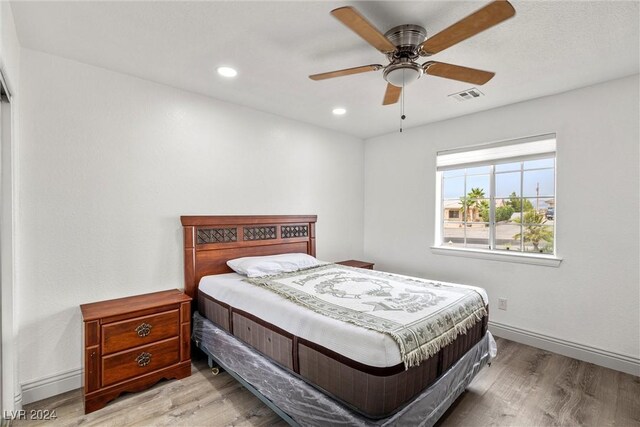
404	44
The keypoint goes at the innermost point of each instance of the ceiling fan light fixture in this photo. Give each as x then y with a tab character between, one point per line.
227	71
401	75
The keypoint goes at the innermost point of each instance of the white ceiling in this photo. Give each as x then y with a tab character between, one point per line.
548	47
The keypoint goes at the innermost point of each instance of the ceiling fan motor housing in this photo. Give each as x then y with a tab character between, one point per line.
403	70
407	38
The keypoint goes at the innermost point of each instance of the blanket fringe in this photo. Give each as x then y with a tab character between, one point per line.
427	350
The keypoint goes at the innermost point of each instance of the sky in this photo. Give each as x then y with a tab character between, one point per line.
536	173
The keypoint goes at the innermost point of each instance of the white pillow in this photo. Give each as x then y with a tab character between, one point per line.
258	266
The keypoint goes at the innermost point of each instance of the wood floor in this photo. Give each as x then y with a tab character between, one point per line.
524	386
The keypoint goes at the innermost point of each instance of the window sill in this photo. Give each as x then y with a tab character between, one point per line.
545	260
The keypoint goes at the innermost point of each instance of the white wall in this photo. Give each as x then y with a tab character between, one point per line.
592	300
10	66
9	47
109	163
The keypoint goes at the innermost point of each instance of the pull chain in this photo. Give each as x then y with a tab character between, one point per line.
402	116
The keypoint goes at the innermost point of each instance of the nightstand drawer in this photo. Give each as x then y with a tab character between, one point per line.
139	331
129	364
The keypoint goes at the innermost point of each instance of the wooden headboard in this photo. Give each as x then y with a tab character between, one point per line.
211	241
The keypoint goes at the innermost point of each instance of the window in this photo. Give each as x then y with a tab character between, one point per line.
499	197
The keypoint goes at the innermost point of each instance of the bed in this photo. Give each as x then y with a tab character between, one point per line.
308	375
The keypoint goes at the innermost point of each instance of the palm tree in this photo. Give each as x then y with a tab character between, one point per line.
535	231
472	203
464	207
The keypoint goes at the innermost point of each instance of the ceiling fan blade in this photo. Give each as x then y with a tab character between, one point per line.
346	72
392	94
359	24
490	15
457	72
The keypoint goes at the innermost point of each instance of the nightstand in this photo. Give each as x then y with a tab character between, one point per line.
132	343
357	264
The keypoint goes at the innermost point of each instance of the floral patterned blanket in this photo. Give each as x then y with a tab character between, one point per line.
422	316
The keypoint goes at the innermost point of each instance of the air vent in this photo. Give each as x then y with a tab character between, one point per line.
467	95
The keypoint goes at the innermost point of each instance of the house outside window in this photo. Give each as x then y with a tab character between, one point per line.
453	212
499	197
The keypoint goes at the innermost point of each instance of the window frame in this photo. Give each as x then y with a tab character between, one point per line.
493	252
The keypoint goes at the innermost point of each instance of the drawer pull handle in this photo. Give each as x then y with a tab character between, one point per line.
143	359
143	330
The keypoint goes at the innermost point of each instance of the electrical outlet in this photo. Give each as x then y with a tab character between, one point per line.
502	303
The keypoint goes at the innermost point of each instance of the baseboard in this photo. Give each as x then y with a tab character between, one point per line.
597	356
17	401
52	385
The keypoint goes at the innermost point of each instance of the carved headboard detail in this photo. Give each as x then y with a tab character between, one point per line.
210	241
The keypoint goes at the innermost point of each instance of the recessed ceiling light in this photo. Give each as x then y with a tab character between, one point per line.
227	72
339	111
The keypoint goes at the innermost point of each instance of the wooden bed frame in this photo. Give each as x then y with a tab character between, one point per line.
211	241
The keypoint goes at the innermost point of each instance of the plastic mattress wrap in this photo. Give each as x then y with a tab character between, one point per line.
307	406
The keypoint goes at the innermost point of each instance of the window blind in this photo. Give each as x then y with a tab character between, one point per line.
505	152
